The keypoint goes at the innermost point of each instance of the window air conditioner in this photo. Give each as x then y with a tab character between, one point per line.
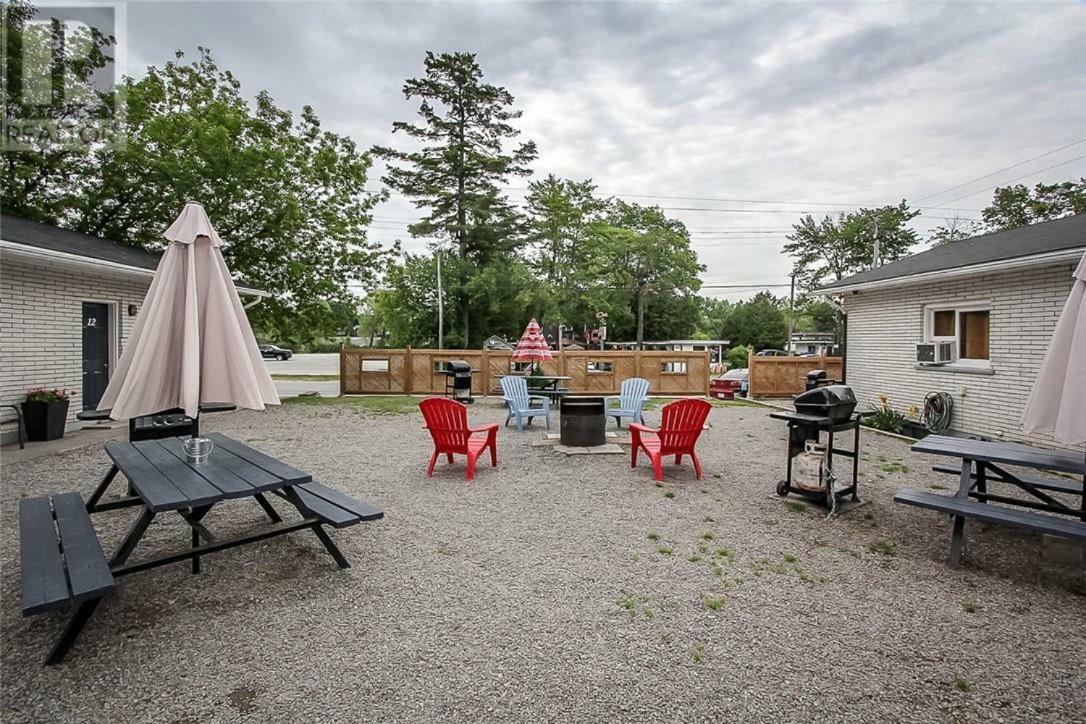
935	353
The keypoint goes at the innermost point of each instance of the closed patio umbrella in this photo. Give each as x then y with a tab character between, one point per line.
1057	405
532	346
191	342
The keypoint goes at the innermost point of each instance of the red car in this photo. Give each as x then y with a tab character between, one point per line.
729	385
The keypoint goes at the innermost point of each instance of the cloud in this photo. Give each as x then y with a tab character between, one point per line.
843	103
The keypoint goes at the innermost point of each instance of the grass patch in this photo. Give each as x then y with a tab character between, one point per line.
706	536
723	553
894	467
306	378
711	603
653	536
663	551
789	558
390	405
764	564
669	494
708	519
885	547
699	651
969	607
795	506
936	486
961	683
695	558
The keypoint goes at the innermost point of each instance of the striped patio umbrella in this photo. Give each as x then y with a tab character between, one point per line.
532	346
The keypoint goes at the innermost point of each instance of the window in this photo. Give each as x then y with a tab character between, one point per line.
673	368
965	325
375	365
441	365
599	367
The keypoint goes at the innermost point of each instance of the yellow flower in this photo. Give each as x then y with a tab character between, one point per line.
913	411
883	398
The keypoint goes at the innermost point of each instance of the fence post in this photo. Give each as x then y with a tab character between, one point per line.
751	376
342	371
486	372
409	371
708	374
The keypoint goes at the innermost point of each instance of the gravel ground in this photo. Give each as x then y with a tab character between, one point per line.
540	592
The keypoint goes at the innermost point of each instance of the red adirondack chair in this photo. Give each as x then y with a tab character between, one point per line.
447	421
677	435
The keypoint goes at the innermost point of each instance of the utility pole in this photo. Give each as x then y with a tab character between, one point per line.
440	304
791	309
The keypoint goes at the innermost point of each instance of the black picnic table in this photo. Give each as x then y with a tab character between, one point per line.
162	480
983	461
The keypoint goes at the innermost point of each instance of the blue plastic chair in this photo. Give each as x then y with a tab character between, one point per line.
519	402
631	399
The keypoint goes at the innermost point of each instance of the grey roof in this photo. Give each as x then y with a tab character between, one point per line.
1050	236
53	238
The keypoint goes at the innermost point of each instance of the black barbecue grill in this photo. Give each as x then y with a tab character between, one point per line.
820	413
161	425
458	375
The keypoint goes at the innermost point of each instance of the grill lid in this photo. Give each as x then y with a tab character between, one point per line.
834	401
458	366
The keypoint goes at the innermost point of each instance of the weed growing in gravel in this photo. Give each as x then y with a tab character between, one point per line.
664	551
711	603
669	494
789	558
718	571
885	547
702	548
699	651
659	485
706	536
961	683
653	536
894	467
936	486
708	519
724	553
969	607
694	558
630	603
796	507
443	551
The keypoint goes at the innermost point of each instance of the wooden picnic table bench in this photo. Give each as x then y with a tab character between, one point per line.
75	571
982	463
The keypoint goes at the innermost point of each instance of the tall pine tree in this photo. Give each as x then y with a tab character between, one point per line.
458	165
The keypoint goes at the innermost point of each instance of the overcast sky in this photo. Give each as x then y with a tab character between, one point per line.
813	107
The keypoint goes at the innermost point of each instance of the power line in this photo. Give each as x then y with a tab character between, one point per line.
1019	178
996	173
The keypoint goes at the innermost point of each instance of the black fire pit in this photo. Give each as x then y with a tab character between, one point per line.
583	422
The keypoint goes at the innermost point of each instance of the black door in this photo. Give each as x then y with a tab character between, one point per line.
95	352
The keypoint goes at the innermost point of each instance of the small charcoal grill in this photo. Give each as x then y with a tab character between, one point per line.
820	413
458	374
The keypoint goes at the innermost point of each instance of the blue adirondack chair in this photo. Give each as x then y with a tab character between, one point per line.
631	399
519	402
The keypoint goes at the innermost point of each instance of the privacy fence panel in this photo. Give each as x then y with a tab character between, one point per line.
418	371
787	376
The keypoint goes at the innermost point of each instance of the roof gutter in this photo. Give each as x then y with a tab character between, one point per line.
991	267
51	257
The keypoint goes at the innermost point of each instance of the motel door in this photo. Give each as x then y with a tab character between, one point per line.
95	352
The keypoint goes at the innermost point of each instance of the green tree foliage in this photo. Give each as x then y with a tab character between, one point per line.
759	322
286	196
714	312
836	247
1018	205
457	165
955	229
737	356
45	167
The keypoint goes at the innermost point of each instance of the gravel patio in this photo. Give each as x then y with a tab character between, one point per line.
558	589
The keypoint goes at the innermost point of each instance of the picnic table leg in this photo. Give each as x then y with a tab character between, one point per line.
965	482
957	542
132	539
92	501
318	529
856	464
193	519
982	481
268	509
71	631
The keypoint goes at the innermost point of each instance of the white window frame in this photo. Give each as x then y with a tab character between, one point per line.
958	308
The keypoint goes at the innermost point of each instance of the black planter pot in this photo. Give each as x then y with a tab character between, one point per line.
44	420
915	429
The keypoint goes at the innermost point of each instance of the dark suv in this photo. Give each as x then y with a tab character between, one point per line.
270	351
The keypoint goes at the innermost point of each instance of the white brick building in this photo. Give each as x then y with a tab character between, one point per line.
995	297
67	304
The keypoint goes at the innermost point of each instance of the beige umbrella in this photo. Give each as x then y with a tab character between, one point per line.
191	342
1058	403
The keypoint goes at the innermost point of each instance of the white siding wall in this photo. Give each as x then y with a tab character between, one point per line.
41	313
884	327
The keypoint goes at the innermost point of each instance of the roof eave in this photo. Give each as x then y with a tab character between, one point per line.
60	259
1021	262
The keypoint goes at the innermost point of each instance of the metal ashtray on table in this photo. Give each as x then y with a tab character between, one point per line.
829	410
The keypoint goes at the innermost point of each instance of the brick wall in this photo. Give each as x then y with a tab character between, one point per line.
41	312
884	327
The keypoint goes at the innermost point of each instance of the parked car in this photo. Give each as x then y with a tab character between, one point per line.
772	353
270	351
730	385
